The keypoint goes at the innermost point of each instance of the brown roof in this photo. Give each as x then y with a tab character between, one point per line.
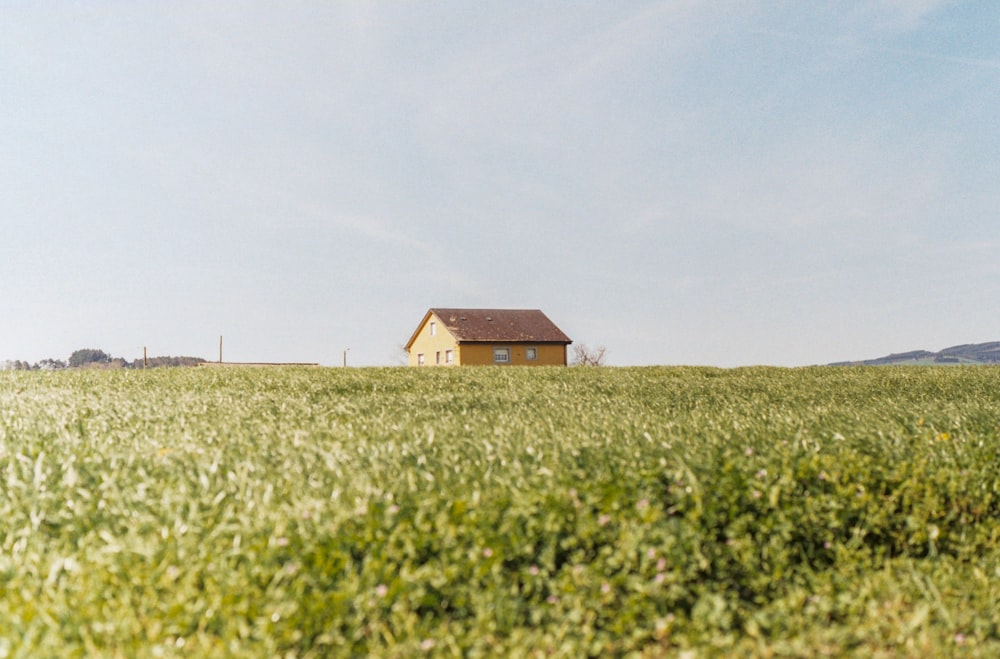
514	325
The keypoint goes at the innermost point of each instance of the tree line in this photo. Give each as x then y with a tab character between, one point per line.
93	358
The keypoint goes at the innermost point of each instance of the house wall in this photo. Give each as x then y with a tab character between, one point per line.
481	354
430	346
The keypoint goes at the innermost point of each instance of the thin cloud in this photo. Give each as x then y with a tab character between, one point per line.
856	46
372	228
937	57
671	28
902	14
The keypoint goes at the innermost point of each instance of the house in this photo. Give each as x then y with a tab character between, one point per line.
451	337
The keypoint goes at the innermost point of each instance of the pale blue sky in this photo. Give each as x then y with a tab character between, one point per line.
685	182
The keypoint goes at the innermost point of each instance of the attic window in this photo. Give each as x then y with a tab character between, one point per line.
434	328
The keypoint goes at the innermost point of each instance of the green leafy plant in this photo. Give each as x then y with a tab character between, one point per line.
397	512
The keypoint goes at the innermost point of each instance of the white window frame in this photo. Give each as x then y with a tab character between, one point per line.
449	356
437	357
531	353
501	354
420	359
434	328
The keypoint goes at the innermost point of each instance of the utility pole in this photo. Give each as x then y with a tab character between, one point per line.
345	357
144	358
220	349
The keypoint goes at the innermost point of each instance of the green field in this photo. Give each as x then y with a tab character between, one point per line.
500	512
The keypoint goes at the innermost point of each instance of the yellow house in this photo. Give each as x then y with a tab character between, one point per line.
450	337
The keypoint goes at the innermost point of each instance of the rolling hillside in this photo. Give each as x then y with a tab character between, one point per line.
969	353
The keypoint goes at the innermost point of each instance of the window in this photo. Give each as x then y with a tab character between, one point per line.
501	355
437	357
434	328
420	359
449	357
531	354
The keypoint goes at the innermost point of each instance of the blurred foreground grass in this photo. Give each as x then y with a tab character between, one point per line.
487	512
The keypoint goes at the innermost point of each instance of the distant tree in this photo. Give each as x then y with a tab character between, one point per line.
88	357
50	365
585	356
166	362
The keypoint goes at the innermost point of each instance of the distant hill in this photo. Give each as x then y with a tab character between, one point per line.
968	353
